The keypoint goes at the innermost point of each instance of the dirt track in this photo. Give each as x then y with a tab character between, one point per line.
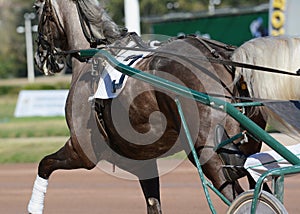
82	191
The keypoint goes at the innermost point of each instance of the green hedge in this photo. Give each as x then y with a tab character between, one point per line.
15	89
4	90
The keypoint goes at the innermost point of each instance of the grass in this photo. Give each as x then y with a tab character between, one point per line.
29	139
7	106
11	127
33	127
28	150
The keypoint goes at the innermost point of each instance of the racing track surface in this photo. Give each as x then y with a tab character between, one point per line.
81	191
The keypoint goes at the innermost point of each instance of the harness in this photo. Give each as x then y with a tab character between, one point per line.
45	40
208	44
87	31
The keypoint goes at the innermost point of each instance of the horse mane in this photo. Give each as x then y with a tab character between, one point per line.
281	53
102	26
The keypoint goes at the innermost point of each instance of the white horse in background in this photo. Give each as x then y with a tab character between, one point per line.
281	53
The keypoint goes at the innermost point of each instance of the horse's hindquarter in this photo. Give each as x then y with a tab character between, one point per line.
143	121
192	69
185	67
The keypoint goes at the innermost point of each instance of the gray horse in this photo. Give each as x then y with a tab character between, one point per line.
142	123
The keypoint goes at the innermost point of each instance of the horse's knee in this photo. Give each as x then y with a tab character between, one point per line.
65	158
46	167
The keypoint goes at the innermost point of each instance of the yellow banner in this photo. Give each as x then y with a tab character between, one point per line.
277	17
284	17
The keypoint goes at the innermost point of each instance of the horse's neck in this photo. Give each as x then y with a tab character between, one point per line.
75	33
76	39
77	68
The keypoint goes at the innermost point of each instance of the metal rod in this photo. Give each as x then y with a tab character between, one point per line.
274	173
230	140
195	156
216	103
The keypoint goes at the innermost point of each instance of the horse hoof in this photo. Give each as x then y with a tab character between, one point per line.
154	206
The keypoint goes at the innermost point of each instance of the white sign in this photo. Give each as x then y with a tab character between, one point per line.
284	17
43	103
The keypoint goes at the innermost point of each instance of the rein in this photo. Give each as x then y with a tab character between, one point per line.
214	60
222	61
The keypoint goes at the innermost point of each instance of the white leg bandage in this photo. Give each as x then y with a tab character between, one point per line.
36	203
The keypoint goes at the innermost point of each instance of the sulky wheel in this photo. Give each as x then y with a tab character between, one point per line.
267	204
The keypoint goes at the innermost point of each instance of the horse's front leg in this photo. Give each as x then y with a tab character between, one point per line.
67	157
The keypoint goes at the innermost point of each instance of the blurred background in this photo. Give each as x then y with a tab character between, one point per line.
155	16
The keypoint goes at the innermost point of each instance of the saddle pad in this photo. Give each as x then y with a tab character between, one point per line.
110	74
259	163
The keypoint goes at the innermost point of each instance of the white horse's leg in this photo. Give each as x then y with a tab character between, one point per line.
36	203
68	157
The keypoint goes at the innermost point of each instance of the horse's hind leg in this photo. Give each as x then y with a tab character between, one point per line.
149	181
68	157
212	168
150	189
